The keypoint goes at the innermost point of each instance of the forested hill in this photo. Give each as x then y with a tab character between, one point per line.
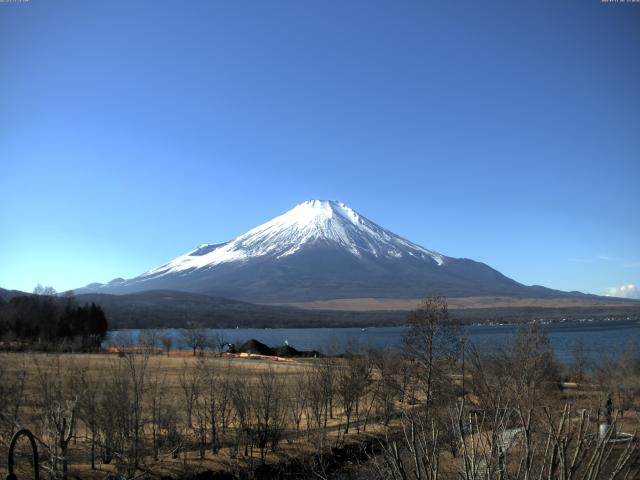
45	320
168	308
173	309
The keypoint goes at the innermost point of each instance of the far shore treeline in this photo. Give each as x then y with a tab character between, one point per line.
44	320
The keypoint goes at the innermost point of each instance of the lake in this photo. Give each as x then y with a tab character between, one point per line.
599	338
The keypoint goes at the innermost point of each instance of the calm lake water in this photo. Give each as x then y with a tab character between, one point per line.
599	338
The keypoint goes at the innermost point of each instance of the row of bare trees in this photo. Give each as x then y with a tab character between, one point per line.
500	414
136	408
505	444
515	421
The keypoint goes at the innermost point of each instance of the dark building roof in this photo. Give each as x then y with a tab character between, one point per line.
255	347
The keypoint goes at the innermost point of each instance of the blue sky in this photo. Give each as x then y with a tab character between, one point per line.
507	132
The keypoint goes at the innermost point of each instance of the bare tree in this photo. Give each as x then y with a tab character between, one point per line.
580	362
121	410
137	366
12	392
412	454
90	389
190	382
167	343
619	375
534	374
242	398
523	372
157	407
195	337
388	386
316	399
493	446
149	340
353	380
57	405
268	412
431	341
297	400
225	404
213	399
326	375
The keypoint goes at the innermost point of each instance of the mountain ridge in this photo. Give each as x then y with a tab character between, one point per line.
322	250
175	309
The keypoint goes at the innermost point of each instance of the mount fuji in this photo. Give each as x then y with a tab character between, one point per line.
322	250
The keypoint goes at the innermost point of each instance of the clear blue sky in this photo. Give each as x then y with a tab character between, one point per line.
507	132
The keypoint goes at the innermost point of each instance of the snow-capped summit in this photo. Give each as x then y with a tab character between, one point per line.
320	249
326	221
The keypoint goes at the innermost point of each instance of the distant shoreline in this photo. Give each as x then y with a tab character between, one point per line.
460	303
596	336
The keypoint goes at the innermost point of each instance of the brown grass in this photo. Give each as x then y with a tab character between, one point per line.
171	367
407	304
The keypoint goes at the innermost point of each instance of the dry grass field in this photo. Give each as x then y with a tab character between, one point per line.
179	383
144	414
408	304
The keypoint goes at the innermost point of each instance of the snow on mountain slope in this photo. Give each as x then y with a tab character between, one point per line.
321	250
331	222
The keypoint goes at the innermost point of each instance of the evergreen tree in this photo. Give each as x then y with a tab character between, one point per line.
46	319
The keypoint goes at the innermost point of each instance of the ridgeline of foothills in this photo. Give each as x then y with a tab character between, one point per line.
79	322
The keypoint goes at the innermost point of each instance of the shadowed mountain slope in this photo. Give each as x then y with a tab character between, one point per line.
322	250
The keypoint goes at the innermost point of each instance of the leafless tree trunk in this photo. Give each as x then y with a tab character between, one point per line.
414	454
196	338
388	387
297	401
12	395
57	404
352	384
90	391
268	412
431	341
190	382
157	407
137	366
